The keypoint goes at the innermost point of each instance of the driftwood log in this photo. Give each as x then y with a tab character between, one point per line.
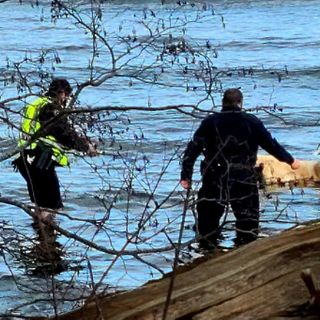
261	280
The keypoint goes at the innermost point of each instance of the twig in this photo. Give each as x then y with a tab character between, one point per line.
176	256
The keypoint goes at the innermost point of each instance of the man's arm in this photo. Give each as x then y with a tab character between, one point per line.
272	146
193	150
61	129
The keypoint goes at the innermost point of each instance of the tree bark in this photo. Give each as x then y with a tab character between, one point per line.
261	280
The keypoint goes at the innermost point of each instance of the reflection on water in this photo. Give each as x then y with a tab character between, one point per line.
46	254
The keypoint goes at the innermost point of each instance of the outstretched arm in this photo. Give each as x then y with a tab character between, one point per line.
272	146
193	150
63	131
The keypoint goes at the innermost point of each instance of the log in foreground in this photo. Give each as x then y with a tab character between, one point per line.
276	172
258	281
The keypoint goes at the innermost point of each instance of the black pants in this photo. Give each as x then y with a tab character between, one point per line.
218	192
41	178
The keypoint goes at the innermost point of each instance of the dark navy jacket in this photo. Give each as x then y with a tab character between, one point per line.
229	141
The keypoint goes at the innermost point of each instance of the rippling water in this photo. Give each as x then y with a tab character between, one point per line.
277	40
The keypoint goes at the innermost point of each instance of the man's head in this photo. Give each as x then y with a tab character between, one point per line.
59	90
232	98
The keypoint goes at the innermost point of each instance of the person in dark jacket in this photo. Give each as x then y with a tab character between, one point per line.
229	141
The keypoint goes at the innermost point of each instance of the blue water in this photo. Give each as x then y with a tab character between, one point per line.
277	40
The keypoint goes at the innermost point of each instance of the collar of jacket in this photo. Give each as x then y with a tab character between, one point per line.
231	108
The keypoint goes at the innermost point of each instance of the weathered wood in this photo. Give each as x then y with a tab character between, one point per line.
258	281
308	279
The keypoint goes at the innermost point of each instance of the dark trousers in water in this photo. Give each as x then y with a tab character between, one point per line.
215	194
38	169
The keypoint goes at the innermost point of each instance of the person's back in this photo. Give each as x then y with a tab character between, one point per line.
229	140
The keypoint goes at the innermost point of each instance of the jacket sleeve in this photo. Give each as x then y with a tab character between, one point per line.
193	150
61	129
270	144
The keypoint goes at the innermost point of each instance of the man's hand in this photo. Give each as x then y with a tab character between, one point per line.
185	184
92	150
295	164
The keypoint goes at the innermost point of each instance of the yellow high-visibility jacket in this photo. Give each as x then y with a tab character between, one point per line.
31	124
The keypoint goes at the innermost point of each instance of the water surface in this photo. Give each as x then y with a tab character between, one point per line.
277	40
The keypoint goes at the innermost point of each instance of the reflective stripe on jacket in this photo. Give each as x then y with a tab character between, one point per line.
31	124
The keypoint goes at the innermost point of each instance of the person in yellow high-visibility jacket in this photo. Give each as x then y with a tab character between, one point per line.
43	153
